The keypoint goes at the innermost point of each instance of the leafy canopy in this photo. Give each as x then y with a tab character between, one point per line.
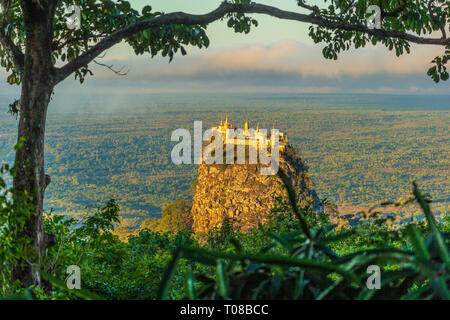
339	24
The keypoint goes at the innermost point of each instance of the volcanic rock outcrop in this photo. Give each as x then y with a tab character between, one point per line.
239	191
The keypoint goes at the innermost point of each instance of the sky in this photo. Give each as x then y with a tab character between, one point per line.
277	57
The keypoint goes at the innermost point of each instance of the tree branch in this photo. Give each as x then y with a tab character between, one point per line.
16	54
116	37
57	45
320	21
225	8
314	9
119	72
435	20
395	12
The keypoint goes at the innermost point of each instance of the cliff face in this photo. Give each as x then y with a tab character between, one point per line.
241	192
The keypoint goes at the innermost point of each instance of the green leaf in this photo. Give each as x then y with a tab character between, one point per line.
280	240
189	284
293	202
308	264
387	278
206	41
81	293
339	237
442	247
222	281
163	291
328	290
440	286
417	242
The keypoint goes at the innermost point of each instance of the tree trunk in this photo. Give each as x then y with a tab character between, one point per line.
37	87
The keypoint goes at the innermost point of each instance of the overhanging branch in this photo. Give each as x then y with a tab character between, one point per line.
116	37
6	41
119	72
320	21
225	8
435	20
15	53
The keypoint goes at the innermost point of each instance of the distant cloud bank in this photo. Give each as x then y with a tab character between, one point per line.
287	56
286	66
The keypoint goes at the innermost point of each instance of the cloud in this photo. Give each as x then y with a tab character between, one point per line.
278	56
308	61
116	58
283	67
286	57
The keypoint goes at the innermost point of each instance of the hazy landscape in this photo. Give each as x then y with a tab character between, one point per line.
360	149
96	98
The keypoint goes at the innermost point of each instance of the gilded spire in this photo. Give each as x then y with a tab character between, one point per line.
246	125
257	127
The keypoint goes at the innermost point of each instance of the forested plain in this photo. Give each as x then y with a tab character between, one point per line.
360	149
115	158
